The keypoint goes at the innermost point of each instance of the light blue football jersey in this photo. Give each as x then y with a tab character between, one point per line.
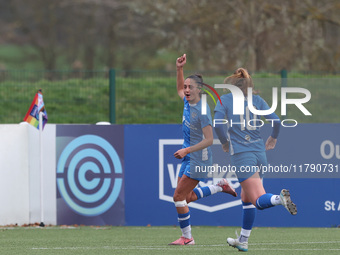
192	124
242	137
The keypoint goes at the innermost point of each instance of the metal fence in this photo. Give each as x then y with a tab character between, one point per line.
126	97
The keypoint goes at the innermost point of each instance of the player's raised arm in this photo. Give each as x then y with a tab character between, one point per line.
180	62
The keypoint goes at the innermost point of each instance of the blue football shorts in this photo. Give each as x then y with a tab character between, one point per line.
248	163
189	170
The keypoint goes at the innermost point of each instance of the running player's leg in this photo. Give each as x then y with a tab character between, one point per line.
200	192
248	218
185	186
246	161
253	187
267	200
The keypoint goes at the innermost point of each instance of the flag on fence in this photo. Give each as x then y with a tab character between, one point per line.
37	106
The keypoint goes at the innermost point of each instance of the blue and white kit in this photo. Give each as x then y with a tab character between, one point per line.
192	124
243	133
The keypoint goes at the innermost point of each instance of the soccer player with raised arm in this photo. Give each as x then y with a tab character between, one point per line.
196	151
247	149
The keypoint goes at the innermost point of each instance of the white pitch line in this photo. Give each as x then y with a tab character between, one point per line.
275	249
199	246
326	242
168	248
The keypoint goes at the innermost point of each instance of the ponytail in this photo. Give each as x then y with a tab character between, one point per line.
242	79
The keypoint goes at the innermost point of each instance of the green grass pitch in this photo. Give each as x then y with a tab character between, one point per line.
154	240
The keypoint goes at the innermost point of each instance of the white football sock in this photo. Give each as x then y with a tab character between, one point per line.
186	232
244	235
214	189
276	200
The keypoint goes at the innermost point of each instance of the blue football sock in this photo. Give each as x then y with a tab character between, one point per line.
184	223
202	192
264	201
249	213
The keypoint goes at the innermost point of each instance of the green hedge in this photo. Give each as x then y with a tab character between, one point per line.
144	97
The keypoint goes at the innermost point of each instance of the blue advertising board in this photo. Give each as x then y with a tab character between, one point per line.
305	161
126	175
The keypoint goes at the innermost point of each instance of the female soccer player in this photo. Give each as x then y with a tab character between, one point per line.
196	151
247	149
